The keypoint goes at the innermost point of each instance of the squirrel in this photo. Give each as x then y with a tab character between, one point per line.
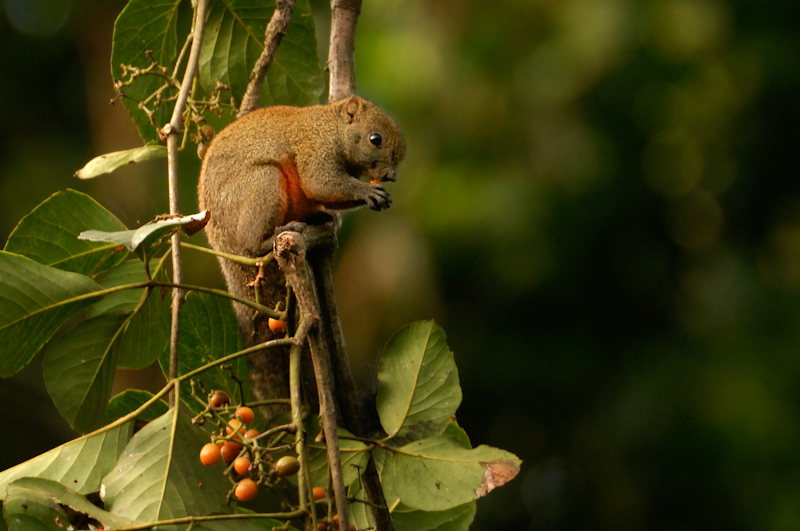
282	164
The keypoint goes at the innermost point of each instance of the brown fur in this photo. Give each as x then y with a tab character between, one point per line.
282	164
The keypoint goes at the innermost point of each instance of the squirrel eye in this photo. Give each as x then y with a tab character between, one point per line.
375	139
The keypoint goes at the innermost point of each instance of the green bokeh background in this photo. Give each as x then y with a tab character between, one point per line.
600	205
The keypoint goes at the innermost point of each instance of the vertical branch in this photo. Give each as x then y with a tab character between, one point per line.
172	131
357	414
341	54
297	419
290	252
275	31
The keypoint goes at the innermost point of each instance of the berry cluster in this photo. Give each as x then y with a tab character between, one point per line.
238	448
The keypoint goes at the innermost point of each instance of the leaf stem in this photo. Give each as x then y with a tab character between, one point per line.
196	519
230	357
232	257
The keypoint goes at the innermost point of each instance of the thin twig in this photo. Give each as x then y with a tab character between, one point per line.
275	31
341	54
172	131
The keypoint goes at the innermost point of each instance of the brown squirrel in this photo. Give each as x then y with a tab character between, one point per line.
284	164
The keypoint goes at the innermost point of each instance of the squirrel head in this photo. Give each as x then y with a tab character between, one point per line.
373	142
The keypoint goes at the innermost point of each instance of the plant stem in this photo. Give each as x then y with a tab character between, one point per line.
232	257
196	519
275	31
297	420
172	130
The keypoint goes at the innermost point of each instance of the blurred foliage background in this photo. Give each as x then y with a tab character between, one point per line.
601	205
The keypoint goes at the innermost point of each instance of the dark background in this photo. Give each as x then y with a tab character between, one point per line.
600	205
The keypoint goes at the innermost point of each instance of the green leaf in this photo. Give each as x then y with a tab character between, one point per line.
129	401
159	475
80	463
456	432
148	331
234	39
31	509
359	514
419	389
129	272
49	234
457	518
34	301
147	334
352	453
256	524
438	473
25	490
148	235
145	25
111	161
79	367
209	331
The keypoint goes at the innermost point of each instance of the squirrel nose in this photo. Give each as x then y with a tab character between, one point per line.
390	175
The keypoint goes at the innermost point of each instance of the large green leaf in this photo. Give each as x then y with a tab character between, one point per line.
79	366
111	161
129	401
51	497
159	475
405	518
455	519
147	334
79	464
49	234
34	301
129	272
234	39
419	389
208	332
79	370
32	509
145	25
438	473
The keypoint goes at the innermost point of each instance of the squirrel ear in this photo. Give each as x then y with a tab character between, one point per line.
351	109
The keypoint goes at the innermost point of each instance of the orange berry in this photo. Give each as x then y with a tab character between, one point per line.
276	325
318	493
209	454
245	414
207	131
219	399
246	489
252	433
241	465
375	181
229	451
235	425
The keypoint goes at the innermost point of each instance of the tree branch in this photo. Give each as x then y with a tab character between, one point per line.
341	54
275	31
172	130
290	252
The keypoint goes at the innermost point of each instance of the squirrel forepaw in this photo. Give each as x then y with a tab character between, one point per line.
378	198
